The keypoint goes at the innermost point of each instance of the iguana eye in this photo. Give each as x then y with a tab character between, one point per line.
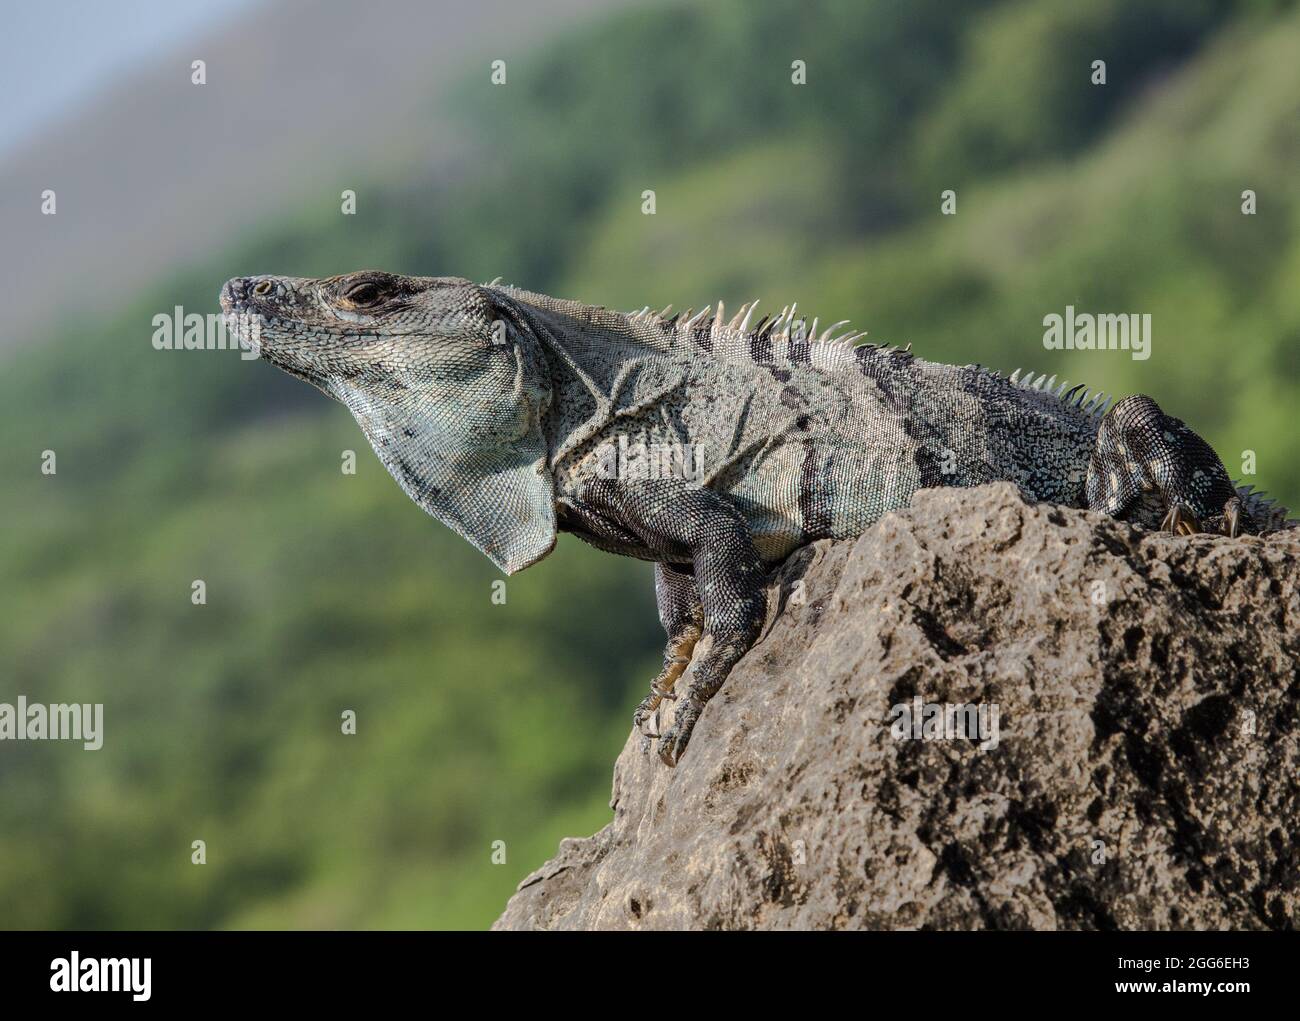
365	293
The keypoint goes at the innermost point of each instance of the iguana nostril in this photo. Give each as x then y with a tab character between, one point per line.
262	287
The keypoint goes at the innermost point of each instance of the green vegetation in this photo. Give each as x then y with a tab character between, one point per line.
482	722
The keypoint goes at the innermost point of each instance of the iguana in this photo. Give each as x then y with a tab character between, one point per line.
711	446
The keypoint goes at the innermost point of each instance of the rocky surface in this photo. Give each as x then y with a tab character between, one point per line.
1145	774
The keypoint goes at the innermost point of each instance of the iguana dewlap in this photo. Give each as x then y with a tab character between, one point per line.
711	447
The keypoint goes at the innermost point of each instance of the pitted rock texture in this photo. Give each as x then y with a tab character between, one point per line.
1145	776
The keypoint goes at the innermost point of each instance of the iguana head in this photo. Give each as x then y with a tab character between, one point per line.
447	383
315	329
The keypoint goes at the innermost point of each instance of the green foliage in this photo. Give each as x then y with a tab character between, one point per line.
996	119
480	722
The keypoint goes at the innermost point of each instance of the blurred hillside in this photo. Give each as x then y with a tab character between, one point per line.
302	99
481	722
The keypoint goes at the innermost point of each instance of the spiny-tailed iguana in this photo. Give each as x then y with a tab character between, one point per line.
711	447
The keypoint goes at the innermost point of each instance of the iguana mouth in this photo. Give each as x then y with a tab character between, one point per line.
245	326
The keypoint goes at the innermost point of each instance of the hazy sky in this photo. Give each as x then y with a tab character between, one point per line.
59	53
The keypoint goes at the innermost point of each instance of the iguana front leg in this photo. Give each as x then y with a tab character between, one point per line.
1140	450
682	618
677	524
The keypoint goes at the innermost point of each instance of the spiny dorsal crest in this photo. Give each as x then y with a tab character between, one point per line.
786	338
1093	403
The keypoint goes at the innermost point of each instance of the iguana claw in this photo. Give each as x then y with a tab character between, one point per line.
650	707
673	744
1180	521
1232	518
677	658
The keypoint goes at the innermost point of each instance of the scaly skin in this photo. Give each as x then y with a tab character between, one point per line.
712	447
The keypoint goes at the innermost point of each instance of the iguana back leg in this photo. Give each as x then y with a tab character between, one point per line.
682	618
1148	462
676	522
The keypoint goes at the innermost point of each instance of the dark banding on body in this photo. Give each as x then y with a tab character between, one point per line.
816	492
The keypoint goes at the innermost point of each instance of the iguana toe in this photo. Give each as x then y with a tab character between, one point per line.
676	660
643	712
1180	521
672	745
1232	518
660	689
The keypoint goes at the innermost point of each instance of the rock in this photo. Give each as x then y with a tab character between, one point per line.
1144	776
